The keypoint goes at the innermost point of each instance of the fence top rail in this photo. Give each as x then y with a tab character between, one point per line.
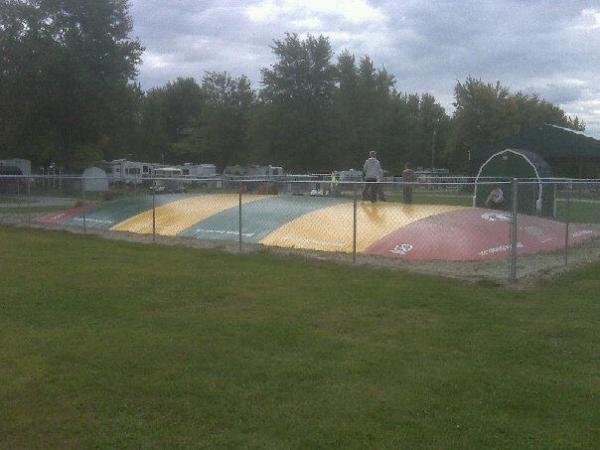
259	180
449	181
558	181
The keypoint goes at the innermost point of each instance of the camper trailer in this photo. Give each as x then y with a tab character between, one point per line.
350	175
235	171
18	168
255	172
15	166
190	170
128	172
168	180
265	172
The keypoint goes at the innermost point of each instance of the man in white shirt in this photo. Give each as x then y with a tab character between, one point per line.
373	174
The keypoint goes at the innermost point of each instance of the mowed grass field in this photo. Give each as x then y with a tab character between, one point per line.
107	344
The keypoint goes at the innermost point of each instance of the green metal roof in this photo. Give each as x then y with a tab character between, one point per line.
548	141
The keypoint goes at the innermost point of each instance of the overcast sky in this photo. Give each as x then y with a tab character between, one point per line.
551	47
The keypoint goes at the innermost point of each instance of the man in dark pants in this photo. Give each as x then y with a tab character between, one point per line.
373	174
408	177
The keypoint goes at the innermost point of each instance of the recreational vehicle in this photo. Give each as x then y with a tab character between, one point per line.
128	172
255	172
265	171
190	170
235	171
350	175
15	166
168	180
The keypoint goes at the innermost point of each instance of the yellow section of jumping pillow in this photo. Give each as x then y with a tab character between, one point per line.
330	229
175	217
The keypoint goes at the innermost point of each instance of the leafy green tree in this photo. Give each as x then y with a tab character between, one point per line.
346	144
432	131
168	114
64	65
364	112
297	105
219	134
122	136
486	113
375	90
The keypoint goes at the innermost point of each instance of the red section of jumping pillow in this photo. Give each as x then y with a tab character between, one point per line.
477	234
58	218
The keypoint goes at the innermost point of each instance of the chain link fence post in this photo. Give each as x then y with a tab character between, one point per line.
28	200
1	198
354	195
81	180
240	216
153	210
513	230
19	203
567	220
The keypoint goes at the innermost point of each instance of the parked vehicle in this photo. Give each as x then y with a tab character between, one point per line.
128	172
15	166
265	171
190	170
168	180
350	175
255	172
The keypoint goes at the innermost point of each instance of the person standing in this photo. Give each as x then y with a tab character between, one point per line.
373	175
408	178
334	185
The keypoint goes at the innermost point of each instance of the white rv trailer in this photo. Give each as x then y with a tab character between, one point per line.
168	180
190	170
128	172
350	175
254	171
235	171
265	171
15	166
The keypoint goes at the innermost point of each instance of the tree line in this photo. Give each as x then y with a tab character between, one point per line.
69	96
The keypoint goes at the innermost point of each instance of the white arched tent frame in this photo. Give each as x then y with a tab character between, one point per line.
538	202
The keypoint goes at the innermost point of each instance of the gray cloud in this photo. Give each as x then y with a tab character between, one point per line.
543	46
558	93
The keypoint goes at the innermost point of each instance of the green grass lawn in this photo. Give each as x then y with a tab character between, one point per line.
31	209
107	344
578	211
454	198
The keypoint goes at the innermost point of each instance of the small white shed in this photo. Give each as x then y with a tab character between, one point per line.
95	180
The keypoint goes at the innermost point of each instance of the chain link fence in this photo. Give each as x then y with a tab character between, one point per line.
497	229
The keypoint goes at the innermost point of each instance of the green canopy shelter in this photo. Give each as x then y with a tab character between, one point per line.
568	152
534	196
